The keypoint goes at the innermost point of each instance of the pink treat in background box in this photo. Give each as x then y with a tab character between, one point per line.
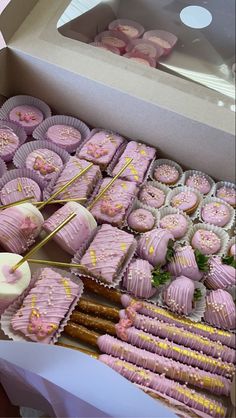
18	189
29	117
44	162
141	59
128	27
163	39
106	47
113	39
144	47
64	136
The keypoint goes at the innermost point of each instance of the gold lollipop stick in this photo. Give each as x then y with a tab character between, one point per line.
103	191
43	242
81	199
81	173
18	202
54	263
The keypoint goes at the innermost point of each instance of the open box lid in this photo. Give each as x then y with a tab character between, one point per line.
177	115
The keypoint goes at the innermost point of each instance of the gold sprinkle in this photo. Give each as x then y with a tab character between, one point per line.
66	285
93	257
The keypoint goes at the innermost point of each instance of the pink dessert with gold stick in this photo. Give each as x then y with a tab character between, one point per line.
18	189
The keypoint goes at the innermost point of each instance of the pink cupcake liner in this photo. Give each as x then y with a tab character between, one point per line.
114	26
158	185
22	172
106	47
3	168
139	205
220	232
118	152
80	272
180	189
100	38
24	100
141	46
15	306
18	130
168	210
198	313
23	152
166	36
189	173
161	161
40	133
151	61
205	201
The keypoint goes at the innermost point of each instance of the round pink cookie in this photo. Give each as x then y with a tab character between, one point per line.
206	241
145	48
160	42
232	250
18	189
152	196
113	42
128	30
138	279
166	174
29	117
199	182
141	220
44	162
220	309
177	224
228	194
9	143
179	295
186	201
215	213
64	136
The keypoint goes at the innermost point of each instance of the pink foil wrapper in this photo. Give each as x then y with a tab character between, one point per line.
115	26
168	37
81	272
3	168
22	172
15	306
18	130
41	130
24	100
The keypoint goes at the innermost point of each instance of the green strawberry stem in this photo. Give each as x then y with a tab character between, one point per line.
202	261
197	295
159	277
170	250
230	261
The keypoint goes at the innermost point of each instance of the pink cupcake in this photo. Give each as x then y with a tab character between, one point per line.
113	39
180	296
167	174
220	310
220	275
176	223
130	28
206	241
152	196
155	246
187	262
216	213
199	182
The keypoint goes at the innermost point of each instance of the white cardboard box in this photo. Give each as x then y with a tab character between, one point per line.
179	117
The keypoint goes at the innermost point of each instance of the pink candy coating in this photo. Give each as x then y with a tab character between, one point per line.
141	220
178	296
199	182
29	117
128	27
18	189
166	174
66	137
44	162
215	213
228	194
163	39
207	242
186	201
152	196
9	142
138	279
153	246
175	223
220	275
220	309
184	263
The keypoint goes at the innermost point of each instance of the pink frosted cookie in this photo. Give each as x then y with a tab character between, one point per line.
179	296
146	48
215	213
186	201
141	220
18	189
9	142
130	28
19	227
83	186
166	174
153	246
64	136
138	279
220	309
44	162
232	250
185	263
76	232
220	275
207	242
228	194
177	224
113	39
142	157
45	306
29	117
101	147
113	206
199	182
152	196
107	253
